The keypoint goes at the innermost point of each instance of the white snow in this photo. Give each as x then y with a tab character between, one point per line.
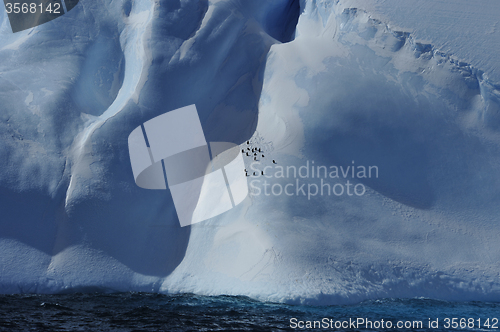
466	29
409	87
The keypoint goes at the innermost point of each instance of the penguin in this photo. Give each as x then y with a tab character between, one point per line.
248	142
262	172
274	161
248	154
254	173
255	158
262	156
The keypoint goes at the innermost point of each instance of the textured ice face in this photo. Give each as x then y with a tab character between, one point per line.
347	88
74	88
355	90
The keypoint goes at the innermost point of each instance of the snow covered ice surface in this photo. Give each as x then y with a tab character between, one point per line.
355	85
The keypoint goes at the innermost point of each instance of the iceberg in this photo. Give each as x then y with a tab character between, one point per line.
375	165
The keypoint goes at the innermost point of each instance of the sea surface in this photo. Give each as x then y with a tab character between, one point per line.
155	312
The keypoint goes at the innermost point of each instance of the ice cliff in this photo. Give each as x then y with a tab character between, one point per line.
308	82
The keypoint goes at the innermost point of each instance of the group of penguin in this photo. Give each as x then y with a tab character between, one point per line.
255	152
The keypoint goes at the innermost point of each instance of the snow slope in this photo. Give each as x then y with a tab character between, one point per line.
351	89
468	30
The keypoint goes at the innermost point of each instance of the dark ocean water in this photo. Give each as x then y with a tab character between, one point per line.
154	312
